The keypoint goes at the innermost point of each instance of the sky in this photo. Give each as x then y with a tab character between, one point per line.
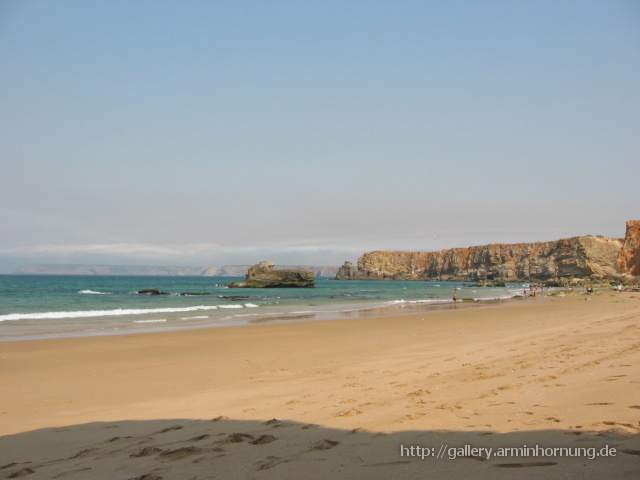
309	132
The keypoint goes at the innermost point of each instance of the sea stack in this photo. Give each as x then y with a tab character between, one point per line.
265	275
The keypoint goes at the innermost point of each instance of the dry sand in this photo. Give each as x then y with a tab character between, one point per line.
335	399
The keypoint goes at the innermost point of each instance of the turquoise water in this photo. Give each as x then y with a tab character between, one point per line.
36	306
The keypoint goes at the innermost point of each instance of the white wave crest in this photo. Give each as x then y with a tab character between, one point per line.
100	313
160	320
91	292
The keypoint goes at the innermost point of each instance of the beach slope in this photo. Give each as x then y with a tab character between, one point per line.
389	396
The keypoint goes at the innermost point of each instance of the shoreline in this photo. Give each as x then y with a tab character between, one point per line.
560	371
336	312
275	318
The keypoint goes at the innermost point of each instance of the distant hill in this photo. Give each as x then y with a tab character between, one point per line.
209	271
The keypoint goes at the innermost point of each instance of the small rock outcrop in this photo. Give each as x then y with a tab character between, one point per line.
152	291
264	275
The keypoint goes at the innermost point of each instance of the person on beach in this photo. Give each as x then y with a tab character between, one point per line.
589	289
455	297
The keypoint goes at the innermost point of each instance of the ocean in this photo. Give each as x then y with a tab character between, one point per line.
44	306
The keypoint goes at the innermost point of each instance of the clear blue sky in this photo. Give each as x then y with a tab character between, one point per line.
226	132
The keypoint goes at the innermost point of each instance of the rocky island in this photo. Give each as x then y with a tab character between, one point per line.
265	275
588	257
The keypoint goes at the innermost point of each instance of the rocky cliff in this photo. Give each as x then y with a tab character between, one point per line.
580	257
629	259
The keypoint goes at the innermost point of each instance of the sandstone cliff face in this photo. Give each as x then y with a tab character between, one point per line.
629	258
577	257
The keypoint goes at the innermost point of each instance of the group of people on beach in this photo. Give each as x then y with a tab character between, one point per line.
533	291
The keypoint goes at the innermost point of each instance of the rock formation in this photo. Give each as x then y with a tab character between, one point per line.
629	259
578	257
264	275
153	291
348	271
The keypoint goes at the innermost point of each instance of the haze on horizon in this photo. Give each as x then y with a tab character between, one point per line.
217	133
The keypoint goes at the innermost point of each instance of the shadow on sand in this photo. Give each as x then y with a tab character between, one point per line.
223	448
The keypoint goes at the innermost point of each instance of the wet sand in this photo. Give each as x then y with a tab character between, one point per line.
336	399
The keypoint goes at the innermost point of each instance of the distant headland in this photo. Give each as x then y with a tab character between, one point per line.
152	270
560	261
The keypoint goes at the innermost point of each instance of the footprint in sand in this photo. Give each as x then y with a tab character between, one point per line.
179	453
146	452
147	476
348	413
219	418
263	439
23	472
414	416
323	445
169	429
83	453
419	393
274	422
269	462
236	438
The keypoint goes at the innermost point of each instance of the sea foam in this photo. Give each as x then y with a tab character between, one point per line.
101	313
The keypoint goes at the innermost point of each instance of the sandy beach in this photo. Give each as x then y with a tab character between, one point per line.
418	395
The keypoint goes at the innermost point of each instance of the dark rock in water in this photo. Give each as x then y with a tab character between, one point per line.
189	294
264	275
235	297
485	283
153	291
